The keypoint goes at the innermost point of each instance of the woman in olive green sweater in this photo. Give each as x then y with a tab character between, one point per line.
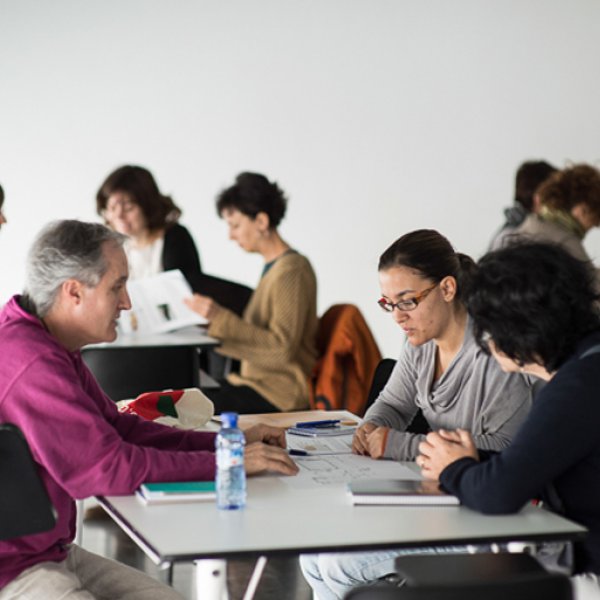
276	337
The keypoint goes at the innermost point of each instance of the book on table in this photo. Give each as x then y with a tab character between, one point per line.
399	491
176	491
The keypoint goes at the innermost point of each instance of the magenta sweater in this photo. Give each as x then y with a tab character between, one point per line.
83	445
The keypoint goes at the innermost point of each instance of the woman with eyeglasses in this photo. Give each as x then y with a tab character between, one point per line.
131	203
442	371
534	308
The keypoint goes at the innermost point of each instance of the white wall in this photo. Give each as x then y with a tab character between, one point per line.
376	116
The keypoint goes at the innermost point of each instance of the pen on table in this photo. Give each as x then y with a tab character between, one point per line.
318	424
294	452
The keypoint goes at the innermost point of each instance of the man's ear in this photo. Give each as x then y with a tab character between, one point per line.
72	292
449	288
263	222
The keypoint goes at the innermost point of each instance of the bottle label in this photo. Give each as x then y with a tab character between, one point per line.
228	458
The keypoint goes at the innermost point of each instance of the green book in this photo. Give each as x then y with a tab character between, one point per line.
177	491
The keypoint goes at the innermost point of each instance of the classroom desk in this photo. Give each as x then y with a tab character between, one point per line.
188	336
280	518
136	363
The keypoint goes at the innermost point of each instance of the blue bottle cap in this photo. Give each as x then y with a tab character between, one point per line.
229	419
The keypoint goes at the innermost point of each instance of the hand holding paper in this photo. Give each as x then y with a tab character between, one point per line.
158	304
203	305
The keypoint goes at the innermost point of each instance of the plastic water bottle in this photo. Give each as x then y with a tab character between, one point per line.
231	476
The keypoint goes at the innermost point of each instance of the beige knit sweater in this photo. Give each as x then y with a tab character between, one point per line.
275	339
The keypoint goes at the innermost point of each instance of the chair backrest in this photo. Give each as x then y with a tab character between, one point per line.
538	586
128	372
380	378
348	357
382	373
24	504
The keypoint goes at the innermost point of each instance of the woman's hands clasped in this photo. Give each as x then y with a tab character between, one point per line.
442	448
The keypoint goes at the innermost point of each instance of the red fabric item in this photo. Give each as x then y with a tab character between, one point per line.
148	404
348	357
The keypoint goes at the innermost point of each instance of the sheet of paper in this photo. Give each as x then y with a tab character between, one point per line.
157	304
341	444
342	468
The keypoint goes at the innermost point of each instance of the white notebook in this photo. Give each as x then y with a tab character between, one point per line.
399	491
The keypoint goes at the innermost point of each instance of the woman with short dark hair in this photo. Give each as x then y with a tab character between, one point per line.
276	337
534	307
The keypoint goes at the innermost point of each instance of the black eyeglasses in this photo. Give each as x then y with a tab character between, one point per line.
405	305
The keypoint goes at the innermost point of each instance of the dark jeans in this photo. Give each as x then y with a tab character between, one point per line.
241	399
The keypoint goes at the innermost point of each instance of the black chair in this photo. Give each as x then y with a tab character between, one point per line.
536	586
451	569
25	508
127	372
382	373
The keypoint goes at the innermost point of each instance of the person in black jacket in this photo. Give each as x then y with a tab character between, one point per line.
130	202
535	308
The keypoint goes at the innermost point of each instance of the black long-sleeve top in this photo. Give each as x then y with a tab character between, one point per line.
555	456
180	252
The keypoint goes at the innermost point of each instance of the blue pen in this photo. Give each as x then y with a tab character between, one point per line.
319	424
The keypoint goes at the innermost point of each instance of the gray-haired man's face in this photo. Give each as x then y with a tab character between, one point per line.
101	306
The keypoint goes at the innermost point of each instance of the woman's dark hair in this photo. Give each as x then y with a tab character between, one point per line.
579	184
529	177
159	211
1	196
251	194
535	301
432	255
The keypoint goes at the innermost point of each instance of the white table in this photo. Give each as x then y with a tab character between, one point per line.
135	363
281	518
189	336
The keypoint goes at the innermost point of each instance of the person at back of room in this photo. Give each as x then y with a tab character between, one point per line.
442	372
275	340
131	203
534	308
569	209
530	175
75	291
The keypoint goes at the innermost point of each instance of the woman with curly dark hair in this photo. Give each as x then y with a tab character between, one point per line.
569	208
534	307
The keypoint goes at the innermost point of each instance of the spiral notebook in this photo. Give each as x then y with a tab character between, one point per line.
399	491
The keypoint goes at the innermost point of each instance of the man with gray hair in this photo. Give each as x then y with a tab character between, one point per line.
74	293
